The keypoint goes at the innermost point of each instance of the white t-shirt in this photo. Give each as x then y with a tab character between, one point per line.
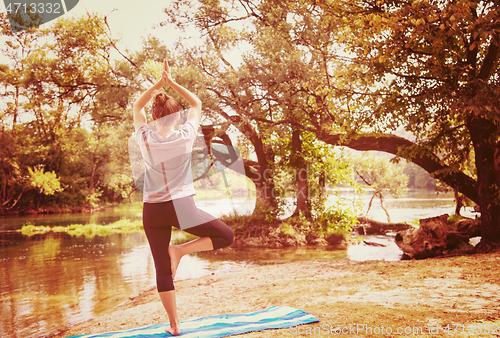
167	160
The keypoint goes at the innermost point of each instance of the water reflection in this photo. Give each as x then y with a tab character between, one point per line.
375	248
54	281
274	256
416	204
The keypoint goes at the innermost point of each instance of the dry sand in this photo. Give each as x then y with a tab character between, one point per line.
457	296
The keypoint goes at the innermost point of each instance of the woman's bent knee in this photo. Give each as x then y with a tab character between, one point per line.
228	240
229	237
223	241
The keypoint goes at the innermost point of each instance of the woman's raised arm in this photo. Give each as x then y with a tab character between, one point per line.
139	114
194	113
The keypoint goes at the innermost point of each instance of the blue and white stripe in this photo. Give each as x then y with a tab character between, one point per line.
221	325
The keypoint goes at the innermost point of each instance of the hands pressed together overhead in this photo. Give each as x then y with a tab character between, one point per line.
166	76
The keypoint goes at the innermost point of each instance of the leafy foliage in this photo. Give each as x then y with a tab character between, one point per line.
65	101
46	182
355	72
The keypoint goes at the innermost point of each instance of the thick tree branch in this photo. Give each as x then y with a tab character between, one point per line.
402	147
490	59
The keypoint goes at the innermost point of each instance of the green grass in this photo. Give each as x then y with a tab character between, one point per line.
91	230
88	230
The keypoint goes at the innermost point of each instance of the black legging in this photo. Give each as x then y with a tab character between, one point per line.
158	220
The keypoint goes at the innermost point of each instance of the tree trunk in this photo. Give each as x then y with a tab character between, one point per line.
383	207
459	199
259	172
485	137
92	183
16	110
265	203
485	191
370	205
488	177
301	176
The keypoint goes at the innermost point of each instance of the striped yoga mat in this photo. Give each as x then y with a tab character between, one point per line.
221	325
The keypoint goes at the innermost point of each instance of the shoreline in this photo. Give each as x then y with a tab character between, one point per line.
428	294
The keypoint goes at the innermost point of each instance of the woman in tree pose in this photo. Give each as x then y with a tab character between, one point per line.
168	187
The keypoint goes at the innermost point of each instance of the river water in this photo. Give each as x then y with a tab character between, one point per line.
52	281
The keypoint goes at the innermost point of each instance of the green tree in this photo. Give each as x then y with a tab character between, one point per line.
360	70
430	67
12	183
384	177
73	98
254	96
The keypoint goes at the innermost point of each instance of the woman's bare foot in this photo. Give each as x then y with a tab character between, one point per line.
173	332
177	251
168	301
175	258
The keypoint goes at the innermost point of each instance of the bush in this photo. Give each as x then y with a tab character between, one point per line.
338	219
331	226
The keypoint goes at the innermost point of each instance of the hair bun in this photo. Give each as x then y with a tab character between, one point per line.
161	98
163	105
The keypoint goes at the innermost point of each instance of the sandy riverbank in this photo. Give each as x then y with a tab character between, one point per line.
461	294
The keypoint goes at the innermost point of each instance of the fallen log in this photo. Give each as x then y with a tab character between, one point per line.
368	226
470	227
427	241
435	237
